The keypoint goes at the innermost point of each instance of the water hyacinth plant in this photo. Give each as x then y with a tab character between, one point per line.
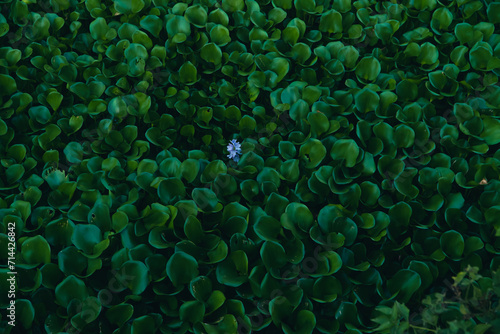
234	149
362	170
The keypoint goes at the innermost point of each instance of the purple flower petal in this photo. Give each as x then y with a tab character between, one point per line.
234	149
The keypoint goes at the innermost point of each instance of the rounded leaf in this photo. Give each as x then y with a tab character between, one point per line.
313	152
70	288
368	69
347	150
220	35
205	199
8	85
171	190
36	250
192	311
129	6
196	15
366	100
136	276
188	73
182	268
452	244
86	237
230	6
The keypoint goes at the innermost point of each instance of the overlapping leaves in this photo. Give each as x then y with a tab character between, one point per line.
369	169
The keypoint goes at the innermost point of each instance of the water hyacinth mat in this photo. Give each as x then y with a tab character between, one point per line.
249	166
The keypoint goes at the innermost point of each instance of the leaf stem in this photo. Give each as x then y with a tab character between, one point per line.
423	328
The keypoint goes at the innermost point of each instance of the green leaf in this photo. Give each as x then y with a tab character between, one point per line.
86	237
188	73
400	215
201	288
277	15
452	244
189	169
119	221
493	12
219	35
331	22
137	276
215	301
211	53
119	314
267	228
368	69
424	271
41	114
346	227
404	284
129	6
178	28
152	24
74	152
36	250
26	313
404	136
171	190
249	188
366	100
313	152
273	255
404	183
429	54
192	311
194	230
291	35
8	85
212	170
346	150
233	271
54	99
14	173
319	123
280	66
299	110
326	289
228	324
348	55
182	268
72	262
145	324
3	127
305	322
70	288
230	6
196	15
464	32
290	170
300	215
480	55
441	19
342	6
370	193
287	150
491	130
60	231
171	167
206	199
280	309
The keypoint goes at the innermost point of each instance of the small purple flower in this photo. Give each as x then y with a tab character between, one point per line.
234	149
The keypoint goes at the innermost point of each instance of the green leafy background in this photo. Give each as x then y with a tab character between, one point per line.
369	175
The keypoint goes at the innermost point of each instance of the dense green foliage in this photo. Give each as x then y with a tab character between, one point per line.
369	172
469	306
